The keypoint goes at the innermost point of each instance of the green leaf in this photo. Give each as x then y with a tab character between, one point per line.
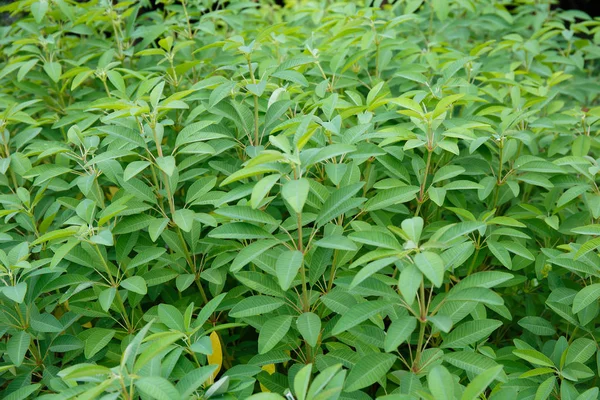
166	164
160	344
309	326
368	370
255	305
534	357
358	314
545	389
194	379
106	297
272	332
45	323
441	322
239	230
580	351
500	253
262	188
409	282
17	347
337	242
247	173
390	197
460	229
39	9
376	238
462	185
338	202
23	393
585	297
437	195
588	246
476	294
53	69
157	388
266	396
301	382
130	136
25	68
440	383
244	213
537	325
251	252
432	266
370	269
470	332
413	227
329	381
84	371
581	146
220	93
184	219
156	227
295	193
171	317
146	256
471	362
287	267
135	284
447	172
15	293
481	382
399	332
97	340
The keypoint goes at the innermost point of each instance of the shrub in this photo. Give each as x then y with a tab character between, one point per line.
329	200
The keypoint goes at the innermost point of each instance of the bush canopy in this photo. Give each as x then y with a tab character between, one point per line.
325	200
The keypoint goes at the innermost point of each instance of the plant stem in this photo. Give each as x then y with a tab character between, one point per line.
305	305
256	137
499	177
424	181
190	261
423	322
332	275
165	176
106	87
187	19
116	286
473	262
419	346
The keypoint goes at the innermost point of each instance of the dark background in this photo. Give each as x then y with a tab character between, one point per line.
591	7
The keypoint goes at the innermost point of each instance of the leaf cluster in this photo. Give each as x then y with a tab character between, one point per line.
326	200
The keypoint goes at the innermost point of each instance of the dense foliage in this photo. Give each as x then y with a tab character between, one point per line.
330	200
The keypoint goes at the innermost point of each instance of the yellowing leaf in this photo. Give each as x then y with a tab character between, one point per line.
270	369
216	358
